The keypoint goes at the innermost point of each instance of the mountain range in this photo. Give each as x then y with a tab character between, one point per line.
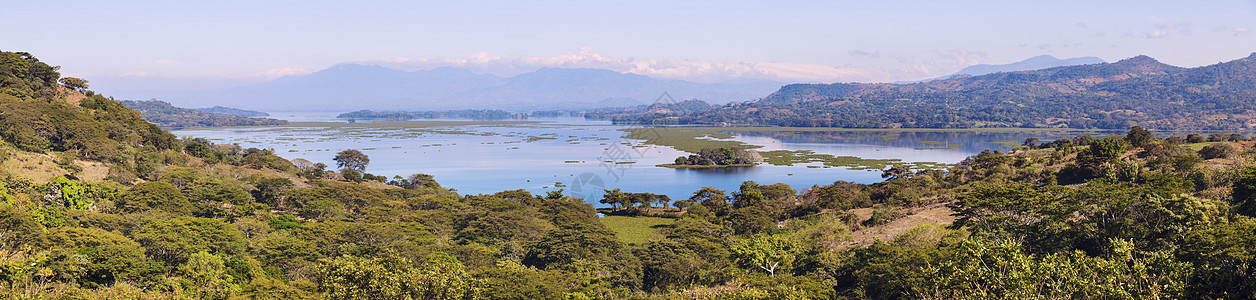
354	86
1134	91
348	87
1033	63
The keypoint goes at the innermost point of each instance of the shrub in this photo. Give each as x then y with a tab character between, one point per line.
1219	150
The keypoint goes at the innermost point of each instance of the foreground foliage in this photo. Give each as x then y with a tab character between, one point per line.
1125	216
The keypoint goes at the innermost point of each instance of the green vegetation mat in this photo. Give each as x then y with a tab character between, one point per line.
636	229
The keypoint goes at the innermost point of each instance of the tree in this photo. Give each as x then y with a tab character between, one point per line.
896	172
1195	138
713	199
73	83
1218	150
352	159
1244	193
155	195
614	197
1032	143
439	277
767	252
1139	137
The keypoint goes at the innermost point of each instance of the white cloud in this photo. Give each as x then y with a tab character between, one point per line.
279	72
255	76
1162	29
1233	30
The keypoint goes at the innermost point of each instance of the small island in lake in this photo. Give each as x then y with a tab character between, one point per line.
716	158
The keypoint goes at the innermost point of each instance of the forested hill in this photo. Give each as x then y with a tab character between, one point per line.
168	116
1134	91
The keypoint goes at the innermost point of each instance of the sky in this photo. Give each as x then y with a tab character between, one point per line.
191	45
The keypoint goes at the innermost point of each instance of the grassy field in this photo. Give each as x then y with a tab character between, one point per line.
636	229
1199	146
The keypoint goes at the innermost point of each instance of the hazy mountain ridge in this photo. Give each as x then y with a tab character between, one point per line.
1033	63
1138	90
354	86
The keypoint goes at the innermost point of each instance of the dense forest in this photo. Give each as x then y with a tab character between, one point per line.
1135	91
168	116
97	203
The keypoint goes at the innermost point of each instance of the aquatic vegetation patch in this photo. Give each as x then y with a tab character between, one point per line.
793	157
951	146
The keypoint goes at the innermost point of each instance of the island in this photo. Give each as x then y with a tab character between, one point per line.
724	157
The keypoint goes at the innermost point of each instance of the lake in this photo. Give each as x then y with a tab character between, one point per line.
583	157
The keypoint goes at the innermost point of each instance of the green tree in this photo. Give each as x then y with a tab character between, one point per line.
440	276
175	240
1243	194
580	246
895	172
763	251
73	83
18	229
155	195
106	257
1139	137
352	159
1218	150
208	277
713	199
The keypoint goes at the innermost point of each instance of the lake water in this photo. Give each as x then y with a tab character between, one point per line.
583	157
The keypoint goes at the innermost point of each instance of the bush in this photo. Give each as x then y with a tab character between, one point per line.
352	175
282	222
1219	150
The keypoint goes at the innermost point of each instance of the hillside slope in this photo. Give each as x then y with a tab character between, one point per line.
1134	91
165	115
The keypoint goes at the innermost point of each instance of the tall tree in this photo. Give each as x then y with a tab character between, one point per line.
352	159
77	84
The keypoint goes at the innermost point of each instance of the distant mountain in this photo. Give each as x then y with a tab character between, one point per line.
1033	63
553	88
1134	91
353	87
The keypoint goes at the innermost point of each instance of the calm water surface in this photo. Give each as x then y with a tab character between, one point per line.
583	157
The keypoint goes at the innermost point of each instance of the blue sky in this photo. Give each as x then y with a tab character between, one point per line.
127	44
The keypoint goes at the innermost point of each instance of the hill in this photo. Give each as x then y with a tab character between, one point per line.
1134	91
228	111
168	116
353	87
